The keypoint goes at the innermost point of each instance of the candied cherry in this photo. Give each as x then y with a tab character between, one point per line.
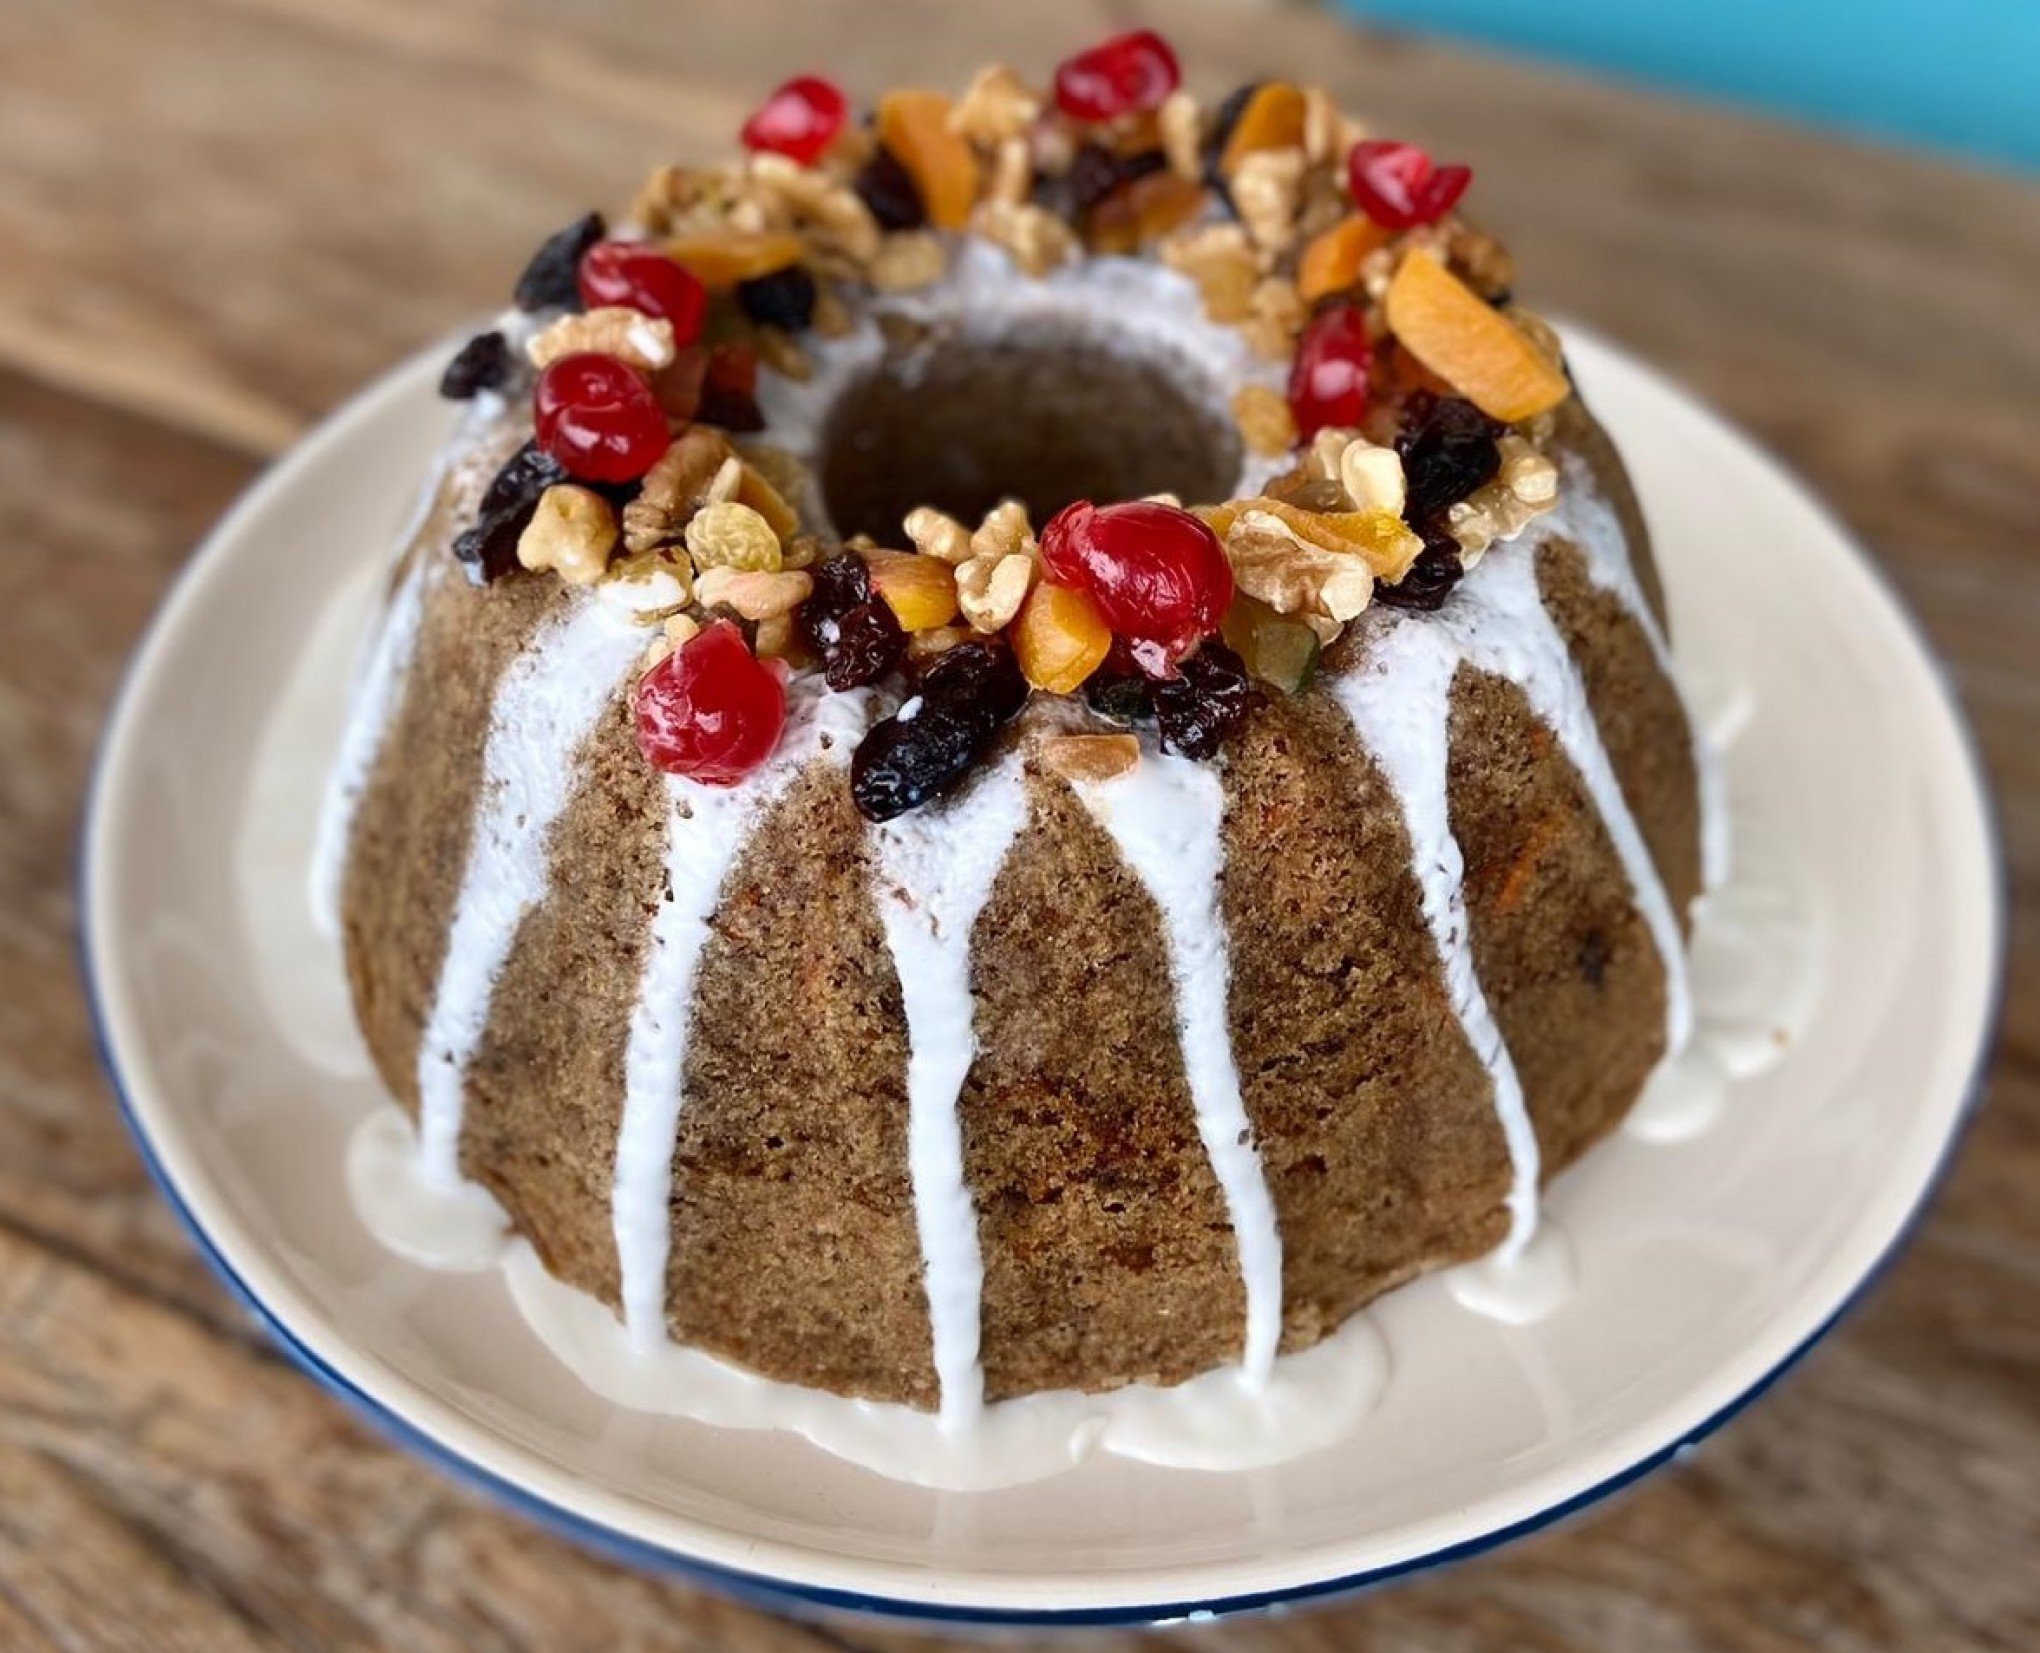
1399	186
711	710
598	418
801	119
645	279
1129	74
1328	381
1158	575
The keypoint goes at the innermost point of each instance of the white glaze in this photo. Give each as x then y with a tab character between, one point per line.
1166	816
454	1226
933	871
1519	1286
706	827
545	708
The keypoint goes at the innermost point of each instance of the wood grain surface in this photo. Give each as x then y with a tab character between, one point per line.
217	217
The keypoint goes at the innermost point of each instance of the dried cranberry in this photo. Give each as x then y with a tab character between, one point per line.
1399	186
483	363
711	710
885	186
643	278
1127	75
1329	379
599	418
1209	698
783	299
1430	578
551	280
729	389
1157	574
1448	449
932	743
489	548
800	119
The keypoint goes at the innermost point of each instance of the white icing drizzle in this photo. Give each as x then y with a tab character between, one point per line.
706	827
1166	815
933	873
545	708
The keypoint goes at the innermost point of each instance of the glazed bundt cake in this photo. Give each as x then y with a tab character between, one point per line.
1027	746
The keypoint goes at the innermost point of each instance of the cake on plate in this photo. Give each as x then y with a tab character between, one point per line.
1026	745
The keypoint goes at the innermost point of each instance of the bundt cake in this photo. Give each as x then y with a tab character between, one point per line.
1027	746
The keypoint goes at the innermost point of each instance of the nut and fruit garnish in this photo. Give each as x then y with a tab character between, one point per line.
1410	397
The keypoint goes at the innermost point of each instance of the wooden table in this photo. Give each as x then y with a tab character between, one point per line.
218	217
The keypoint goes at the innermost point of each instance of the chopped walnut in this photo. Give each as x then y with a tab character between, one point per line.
754	594
645	342
1005	529
784	354
1480	260
1265	422
1328	134
1373	477
990	590
907	260
729	535
831	213
1182	132
1273	562
1036	237
1220	259
832	319
1088	759
997	105
1012	171
1527	474
937	534
674	488
1267	189
648	586
1277	317
572	533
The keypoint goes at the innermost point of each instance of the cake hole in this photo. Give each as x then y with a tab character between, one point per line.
1048	416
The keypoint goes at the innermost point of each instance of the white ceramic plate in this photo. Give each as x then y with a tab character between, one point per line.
1706	1267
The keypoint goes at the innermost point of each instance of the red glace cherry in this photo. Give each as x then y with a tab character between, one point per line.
1158	574
1328	382
801	119
598	418
1128	75
643	278
1399	186
711	710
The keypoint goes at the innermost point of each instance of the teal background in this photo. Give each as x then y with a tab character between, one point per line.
1959	75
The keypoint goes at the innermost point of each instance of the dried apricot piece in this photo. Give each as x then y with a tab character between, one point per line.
1059	638
914	126
1331	262
921	591
1272	119
722	258
1483	355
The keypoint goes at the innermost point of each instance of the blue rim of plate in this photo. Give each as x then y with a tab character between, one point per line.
778	1595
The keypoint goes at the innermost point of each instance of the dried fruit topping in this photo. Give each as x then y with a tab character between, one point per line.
1059	638
801	119
1159	575
785	298
888	189
711	710
1120	691
914	126
1095	174
1204	703
1272	118
1143	211
847	626
1129	74
1272	646
598	418
1448	448
1331	262
1328	382
1431	577
925	749
729	389
1471	345
722	258
1223	119
921	591
1399	186
484	363
644	279
489	548
550	281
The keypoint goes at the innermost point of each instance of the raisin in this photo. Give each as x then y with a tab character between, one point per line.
1448	450
847	626
1097	172
551	281
927	748
1199	709
885	186
1430	578
784	299
483	363
489	548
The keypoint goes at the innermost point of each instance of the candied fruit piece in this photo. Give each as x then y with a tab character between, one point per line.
1130	74
1059	638
1476	349
599	418
1272	118
1274	647
1329	380
1331	262
1399	186
711	710
800	119
720	259
921	591
644	279
1158	574
914	126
